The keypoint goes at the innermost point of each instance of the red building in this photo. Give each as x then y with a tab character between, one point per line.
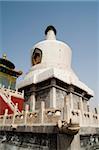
9	96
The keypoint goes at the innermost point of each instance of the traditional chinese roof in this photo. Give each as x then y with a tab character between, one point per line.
8	67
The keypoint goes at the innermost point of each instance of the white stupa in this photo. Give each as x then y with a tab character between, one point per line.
54	61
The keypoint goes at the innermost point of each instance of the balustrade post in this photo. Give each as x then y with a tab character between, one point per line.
66	109
15	112
5	116
26	112
42	111
32	102
23	93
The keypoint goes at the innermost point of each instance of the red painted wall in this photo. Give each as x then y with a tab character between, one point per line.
4	105
20	102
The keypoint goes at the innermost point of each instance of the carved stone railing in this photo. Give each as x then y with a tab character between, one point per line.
11	92
86	119
83	118
42	116
66	118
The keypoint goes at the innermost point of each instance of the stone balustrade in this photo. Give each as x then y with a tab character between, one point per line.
11	92
85	119
51	116
42	116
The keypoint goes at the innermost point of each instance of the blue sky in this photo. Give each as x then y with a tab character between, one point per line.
22	24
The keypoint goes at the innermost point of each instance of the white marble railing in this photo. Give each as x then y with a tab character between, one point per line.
83	118
11	92
41	116
51	116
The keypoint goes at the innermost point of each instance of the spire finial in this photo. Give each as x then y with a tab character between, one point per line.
4	56
50	27
50	33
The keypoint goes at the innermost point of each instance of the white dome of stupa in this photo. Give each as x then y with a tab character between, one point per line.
52	58
55	54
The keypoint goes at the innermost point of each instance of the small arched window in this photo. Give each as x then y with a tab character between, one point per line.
36	56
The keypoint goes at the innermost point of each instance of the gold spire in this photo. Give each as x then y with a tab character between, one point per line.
4	56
